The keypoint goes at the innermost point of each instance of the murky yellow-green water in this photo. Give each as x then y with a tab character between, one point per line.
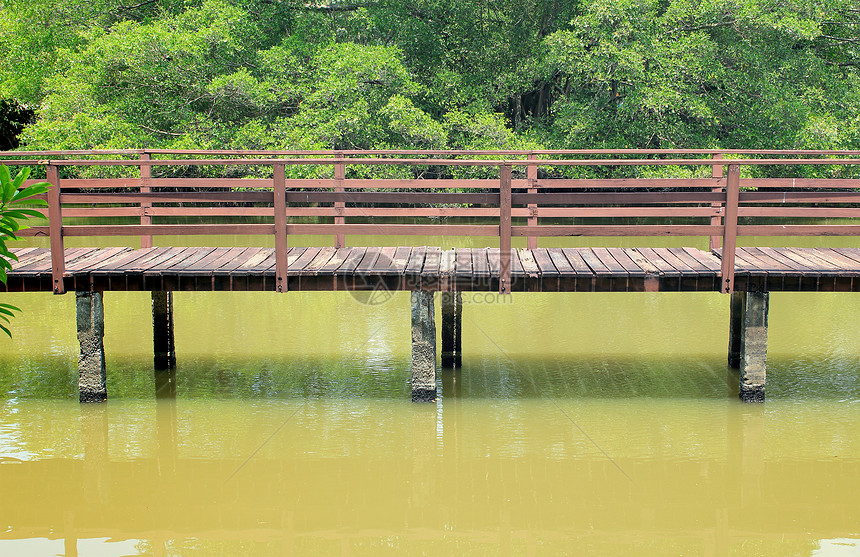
580	424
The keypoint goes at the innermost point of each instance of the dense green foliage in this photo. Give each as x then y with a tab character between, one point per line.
295	74
13	218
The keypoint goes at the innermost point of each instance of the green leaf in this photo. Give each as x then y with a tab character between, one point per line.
23	174
10	306
23	214
6	184
30	191
5	330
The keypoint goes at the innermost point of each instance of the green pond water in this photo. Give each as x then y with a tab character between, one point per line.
579	424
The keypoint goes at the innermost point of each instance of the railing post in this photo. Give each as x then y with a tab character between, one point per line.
730	228
55	228
339	177
505	229
145	218
280	193
531	175
716	172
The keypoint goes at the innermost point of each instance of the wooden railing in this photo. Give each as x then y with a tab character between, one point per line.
710	205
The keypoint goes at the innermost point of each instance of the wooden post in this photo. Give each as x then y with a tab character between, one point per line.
716	172
339	177
280	194
452	327
736	325
92	376
145	217
505	229
531	175
730	229
162	330
55	227
754	347
423	347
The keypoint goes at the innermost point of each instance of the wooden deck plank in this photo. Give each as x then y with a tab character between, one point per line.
708	260
694	264
529	264
464	263
673	260
75	255
845	264
159	266
480	263
295	267
493	261
216	259
643	262
194	257
448	262
560	262
793	260
766	262
324	256
399	261
383	262
597	266
22	252
253	262
238	260
82	264
432	262
516	265
352	260
416	261
35	264
202	264
620	255
666	268
545	264
851	253
569	269
332	265
577	262
154	258
815	260
365	266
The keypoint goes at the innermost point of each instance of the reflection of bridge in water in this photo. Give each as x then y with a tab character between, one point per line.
167	491
521	195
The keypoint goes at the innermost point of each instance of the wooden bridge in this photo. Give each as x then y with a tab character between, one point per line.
492	196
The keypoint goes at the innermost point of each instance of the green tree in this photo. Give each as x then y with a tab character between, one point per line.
13	217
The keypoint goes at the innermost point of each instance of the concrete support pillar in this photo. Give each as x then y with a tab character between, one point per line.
162	330
754	347
423	347
736	319
92	382
452	327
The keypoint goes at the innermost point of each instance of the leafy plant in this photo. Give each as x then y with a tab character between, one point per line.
13	218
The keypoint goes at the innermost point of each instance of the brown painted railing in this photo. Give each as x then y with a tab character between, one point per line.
517	191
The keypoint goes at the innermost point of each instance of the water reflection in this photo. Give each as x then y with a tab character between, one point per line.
286	429
355	477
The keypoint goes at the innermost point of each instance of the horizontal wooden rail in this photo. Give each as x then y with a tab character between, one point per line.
513	194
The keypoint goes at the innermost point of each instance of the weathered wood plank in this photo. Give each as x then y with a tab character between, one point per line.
546	267
416	260
324	256
332	265
463	266
528	263
238	260
295	267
